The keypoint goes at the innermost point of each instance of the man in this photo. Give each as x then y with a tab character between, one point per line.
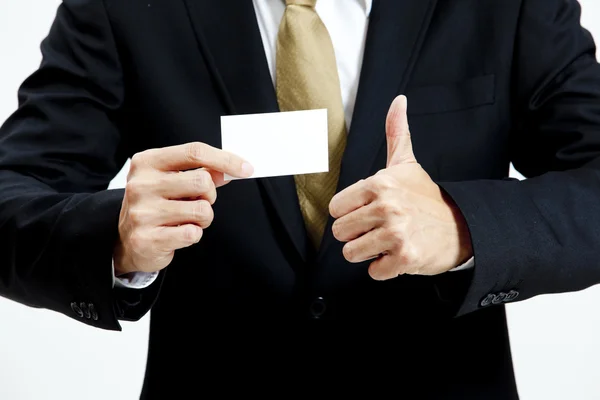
413	241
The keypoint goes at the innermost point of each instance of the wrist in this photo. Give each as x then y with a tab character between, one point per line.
121	266
464	243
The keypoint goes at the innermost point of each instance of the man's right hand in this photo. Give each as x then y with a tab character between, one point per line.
168	202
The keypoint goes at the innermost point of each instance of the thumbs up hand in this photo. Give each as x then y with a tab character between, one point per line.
399	217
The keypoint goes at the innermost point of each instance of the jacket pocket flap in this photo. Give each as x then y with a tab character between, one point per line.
433	99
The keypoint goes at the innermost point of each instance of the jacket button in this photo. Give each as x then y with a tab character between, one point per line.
510	296
76	309
93	312
318	307
488	300
85	309
499	299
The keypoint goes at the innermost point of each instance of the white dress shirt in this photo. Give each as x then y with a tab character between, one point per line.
346	22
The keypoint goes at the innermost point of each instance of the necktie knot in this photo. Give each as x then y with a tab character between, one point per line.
306	3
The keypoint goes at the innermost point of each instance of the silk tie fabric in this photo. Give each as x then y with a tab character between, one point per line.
307	79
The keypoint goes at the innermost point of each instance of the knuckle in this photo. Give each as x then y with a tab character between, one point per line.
201	180
137	161
137	241
136	188
133	169
142	160
133	189
191	234
137	216
397	235
196	151
195	211
383	181
377	184
205	212
408	257
371	185
384	208
230	161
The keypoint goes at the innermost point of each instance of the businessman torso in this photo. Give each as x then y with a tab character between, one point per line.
188	63
164	72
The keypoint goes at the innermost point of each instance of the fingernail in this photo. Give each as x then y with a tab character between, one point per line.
247	169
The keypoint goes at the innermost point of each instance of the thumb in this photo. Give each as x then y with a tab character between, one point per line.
399	144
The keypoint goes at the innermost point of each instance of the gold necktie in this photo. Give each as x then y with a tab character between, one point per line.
307	79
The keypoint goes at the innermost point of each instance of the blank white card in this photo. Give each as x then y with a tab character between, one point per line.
277	144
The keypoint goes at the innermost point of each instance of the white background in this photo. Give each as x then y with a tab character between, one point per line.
43	355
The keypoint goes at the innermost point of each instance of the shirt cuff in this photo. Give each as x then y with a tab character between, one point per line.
134	280
467	265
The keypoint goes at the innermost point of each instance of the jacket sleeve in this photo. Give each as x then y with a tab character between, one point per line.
540	235
58	153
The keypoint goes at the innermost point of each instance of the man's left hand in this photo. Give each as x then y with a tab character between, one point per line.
400	217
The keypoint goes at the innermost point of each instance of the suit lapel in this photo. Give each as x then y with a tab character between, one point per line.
394	38
229	38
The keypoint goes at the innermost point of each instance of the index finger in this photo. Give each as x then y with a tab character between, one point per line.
199	155
350	199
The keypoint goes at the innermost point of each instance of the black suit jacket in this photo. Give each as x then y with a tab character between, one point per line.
489	82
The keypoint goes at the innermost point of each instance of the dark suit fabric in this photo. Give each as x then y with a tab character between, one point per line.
489	82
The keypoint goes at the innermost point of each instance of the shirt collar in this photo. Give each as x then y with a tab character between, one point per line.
368	4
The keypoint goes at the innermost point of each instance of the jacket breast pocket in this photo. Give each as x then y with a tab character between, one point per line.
449	97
